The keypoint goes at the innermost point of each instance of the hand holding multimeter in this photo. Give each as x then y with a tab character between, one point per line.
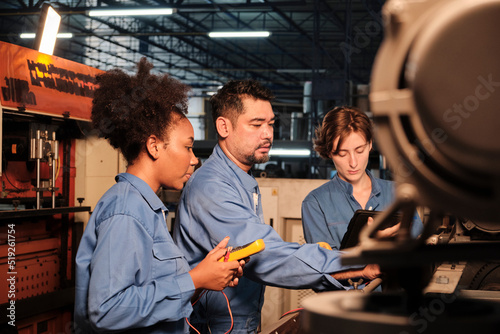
231	254
241	252
212	273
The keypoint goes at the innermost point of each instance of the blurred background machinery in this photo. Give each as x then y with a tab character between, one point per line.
435	98
39	224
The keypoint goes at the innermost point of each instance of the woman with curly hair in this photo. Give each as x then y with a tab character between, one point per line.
130	276
345	136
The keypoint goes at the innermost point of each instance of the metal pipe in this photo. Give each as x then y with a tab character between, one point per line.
53	159
37	169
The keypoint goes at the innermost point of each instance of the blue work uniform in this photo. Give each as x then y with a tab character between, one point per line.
327	210
130	275
222	200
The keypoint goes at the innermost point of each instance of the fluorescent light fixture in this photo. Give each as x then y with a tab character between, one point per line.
130	12
238	34
213	91
28	35
65	35
50	23
299	70
286	152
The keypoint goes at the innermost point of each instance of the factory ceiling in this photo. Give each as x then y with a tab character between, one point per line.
328	42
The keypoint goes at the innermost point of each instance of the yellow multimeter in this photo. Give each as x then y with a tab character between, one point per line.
241	252
324	245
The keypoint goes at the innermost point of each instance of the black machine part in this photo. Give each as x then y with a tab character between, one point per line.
435	97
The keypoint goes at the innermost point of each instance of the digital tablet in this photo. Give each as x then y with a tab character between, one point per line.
358	221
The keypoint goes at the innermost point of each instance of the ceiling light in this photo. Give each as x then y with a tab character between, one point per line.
299	70
286	152
130	12
48	27
238	34
29	35
65	35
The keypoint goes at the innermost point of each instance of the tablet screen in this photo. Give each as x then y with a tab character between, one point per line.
358	221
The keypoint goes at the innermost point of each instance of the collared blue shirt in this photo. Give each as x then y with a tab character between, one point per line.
129	273
327	210
220	200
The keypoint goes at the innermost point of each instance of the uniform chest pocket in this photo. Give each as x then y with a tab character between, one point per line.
167	259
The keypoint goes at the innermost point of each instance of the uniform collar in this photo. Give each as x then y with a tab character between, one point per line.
144	189
347	187
246	179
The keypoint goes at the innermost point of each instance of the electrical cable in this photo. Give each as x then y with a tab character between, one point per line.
230	313
192	304
226	258
58	160
292	311
228	308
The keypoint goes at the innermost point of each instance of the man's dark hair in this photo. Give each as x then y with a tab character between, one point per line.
227	102
127	109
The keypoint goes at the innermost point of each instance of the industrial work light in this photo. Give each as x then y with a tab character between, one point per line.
47	30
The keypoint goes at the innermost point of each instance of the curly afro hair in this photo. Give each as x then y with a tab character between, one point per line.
127	109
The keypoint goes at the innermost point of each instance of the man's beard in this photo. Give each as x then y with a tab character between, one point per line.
252	159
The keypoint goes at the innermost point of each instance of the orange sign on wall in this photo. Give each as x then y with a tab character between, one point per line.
46	84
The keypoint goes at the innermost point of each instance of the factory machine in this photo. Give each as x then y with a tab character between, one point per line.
44	99
435	97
